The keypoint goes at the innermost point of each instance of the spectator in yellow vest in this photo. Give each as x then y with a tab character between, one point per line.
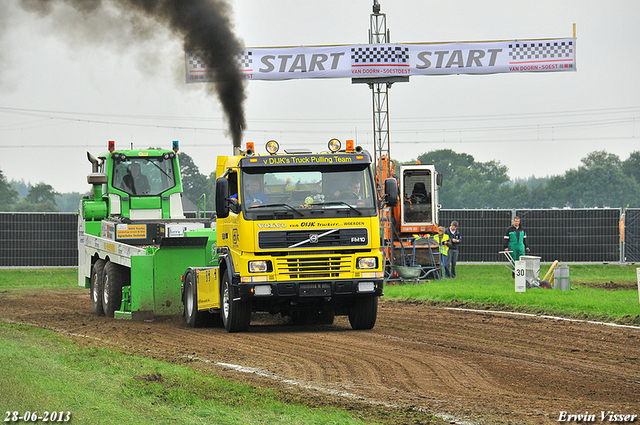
443	243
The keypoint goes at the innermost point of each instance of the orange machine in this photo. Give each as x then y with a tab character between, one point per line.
406	227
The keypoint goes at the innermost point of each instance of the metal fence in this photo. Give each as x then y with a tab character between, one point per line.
38	239
567	235
571	235
631	240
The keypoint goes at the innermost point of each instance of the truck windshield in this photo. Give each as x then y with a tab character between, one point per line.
325	189
143	176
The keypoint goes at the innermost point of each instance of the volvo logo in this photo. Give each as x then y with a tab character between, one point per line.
313	238
271	225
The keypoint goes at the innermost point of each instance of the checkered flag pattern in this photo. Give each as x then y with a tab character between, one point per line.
245	59
198	61
379	55
541	50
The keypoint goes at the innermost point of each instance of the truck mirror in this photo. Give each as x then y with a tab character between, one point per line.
222	190
391	191
439	179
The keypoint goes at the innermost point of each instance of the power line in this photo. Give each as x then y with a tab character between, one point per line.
508	133
554	114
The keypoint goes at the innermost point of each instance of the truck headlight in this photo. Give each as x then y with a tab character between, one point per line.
367	263
258	266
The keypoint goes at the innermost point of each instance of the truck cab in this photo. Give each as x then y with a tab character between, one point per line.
298	234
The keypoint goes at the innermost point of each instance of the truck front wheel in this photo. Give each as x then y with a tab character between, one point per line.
112	281
96	287
363	312
236	315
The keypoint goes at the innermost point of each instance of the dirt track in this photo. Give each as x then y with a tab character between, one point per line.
476	366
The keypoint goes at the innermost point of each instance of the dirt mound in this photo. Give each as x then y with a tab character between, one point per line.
482	367
611	285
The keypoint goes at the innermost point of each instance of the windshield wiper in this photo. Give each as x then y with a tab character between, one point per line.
339	203
158	167
276	205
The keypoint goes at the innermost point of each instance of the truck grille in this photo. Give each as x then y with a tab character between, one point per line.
316	238
313	267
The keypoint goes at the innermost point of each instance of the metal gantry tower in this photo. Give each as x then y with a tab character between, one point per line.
379	34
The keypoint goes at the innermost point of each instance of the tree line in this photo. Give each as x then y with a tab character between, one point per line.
18	196
602	180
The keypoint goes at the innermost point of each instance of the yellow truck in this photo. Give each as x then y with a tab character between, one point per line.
298	234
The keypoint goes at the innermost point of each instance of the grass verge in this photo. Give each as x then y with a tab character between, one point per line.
42	371
492	287
38	278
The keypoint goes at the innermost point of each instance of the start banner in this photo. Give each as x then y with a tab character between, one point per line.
392	60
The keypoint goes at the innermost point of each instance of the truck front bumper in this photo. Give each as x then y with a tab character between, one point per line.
307	289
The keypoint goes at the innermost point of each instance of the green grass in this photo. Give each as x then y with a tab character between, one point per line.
38	278
492	287
44	371
41	371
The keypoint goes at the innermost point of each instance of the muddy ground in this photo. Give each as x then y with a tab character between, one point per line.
474	366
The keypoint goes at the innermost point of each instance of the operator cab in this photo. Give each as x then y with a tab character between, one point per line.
139	184
418	185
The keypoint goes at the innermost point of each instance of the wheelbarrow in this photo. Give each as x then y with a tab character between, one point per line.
408	273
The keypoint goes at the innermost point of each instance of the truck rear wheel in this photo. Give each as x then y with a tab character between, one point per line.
112	281
236	315
191	314
96	287
363	313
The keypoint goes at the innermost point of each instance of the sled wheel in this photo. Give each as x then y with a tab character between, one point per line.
96	287
112	281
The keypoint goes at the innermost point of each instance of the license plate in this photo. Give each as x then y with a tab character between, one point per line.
315	289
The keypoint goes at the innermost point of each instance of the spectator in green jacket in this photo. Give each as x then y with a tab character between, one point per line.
515	239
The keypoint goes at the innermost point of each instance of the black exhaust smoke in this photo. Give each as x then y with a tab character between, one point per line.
204	25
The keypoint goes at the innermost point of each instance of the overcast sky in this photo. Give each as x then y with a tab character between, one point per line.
71	82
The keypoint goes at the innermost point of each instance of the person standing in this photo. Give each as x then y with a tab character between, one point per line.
443	245
515	239
454	236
